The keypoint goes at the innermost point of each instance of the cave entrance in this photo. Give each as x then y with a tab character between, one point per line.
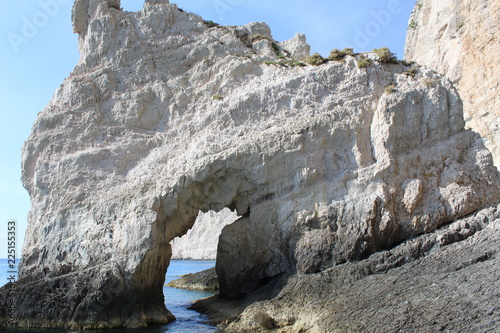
251	252
195	255
191	275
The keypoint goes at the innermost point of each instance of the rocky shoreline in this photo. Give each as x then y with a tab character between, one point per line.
204	280
447	280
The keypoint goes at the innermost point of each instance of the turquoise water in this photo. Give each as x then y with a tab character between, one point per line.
177	301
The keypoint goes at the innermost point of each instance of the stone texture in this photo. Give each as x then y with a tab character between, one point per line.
460	39
165	116
200	243
445	281
297	47
204	280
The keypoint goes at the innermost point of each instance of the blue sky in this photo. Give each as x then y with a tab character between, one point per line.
38	50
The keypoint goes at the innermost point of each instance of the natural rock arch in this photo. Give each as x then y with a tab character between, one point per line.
165	115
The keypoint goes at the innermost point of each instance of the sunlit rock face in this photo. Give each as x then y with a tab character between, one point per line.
460	39
166	115
200	242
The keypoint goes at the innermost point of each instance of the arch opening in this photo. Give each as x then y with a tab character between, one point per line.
220	237
250	250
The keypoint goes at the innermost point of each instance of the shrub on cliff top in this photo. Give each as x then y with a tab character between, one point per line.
277	49
211	24
337	55
386	56
295	63
315	60
286	63
412	72
364	62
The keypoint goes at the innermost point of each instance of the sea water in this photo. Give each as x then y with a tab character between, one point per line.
176	300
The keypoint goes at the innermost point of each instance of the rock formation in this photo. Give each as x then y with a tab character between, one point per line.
167	114
200	243
460	39
443	281
204	280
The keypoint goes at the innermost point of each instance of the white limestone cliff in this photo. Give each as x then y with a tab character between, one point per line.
460	39
166	115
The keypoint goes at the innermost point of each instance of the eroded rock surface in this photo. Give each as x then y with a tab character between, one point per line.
445	281
166	115
460	39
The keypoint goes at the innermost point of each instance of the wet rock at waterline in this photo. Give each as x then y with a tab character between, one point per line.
204	280
166	115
